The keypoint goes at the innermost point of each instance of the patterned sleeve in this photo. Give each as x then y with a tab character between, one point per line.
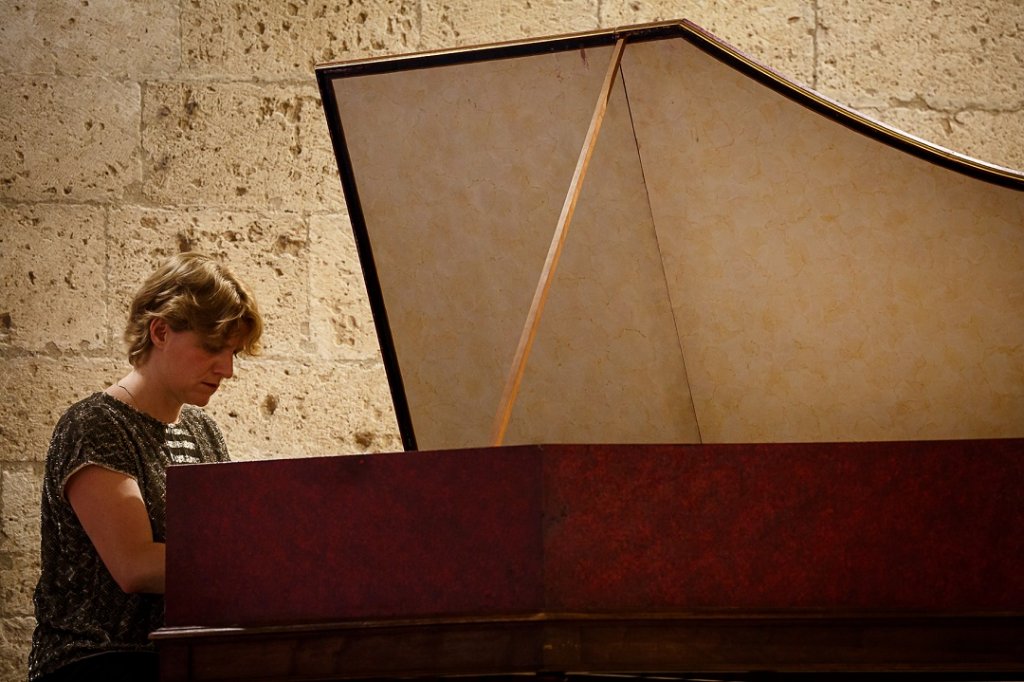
86	437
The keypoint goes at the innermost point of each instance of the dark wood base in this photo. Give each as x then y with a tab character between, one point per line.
729	645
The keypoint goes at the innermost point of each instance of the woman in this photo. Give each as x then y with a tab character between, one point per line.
102	579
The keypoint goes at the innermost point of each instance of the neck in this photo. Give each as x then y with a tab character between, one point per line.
142	393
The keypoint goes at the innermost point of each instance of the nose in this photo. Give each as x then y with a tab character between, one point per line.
225	364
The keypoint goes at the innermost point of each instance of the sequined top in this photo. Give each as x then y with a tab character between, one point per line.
80	610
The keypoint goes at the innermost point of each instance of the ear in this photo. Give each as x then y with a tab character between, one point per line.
158	329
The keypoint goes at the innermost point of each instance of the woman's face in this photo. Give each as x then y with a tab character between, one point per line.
193	369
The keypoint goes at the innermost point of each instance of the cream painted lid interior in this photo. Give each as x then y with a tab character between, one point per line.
747	261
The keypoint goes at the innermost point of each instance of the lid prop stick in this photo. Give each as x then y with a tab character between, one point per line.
515	378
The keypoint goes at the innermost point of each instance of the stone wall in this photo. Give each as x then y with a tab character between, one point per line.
131	129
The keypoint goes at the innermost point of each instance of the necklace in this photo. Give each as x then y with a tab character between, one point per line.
135	403
130	394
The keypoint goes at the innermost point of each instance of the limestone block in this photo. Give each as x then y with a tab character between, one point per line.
269	252
52	279
287	409
118	39
341	321
942	53
67	138
15	642
38	390
238	145
270	39
447	23
994	137
927	124
18	581
778	34
21	485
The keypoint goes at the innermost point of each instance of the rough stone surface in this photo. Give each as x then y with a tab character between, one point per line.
87	38
15	642
448	23
238	146
293	409
19	581
997	137
267	251
21	485
38	390
778	34
1002	144
272	39
68	139
342	325
52	279
944	54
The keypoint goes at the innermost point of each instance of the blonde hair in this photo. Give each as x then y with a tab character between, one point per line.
193	292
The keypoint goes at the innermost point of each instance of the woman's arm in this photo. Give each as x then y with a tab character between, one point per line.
111	509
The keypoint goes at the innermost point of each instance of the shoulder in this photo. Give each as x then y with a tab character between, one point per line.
96	430
94	403
104	416
193	417
205	429
89	414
